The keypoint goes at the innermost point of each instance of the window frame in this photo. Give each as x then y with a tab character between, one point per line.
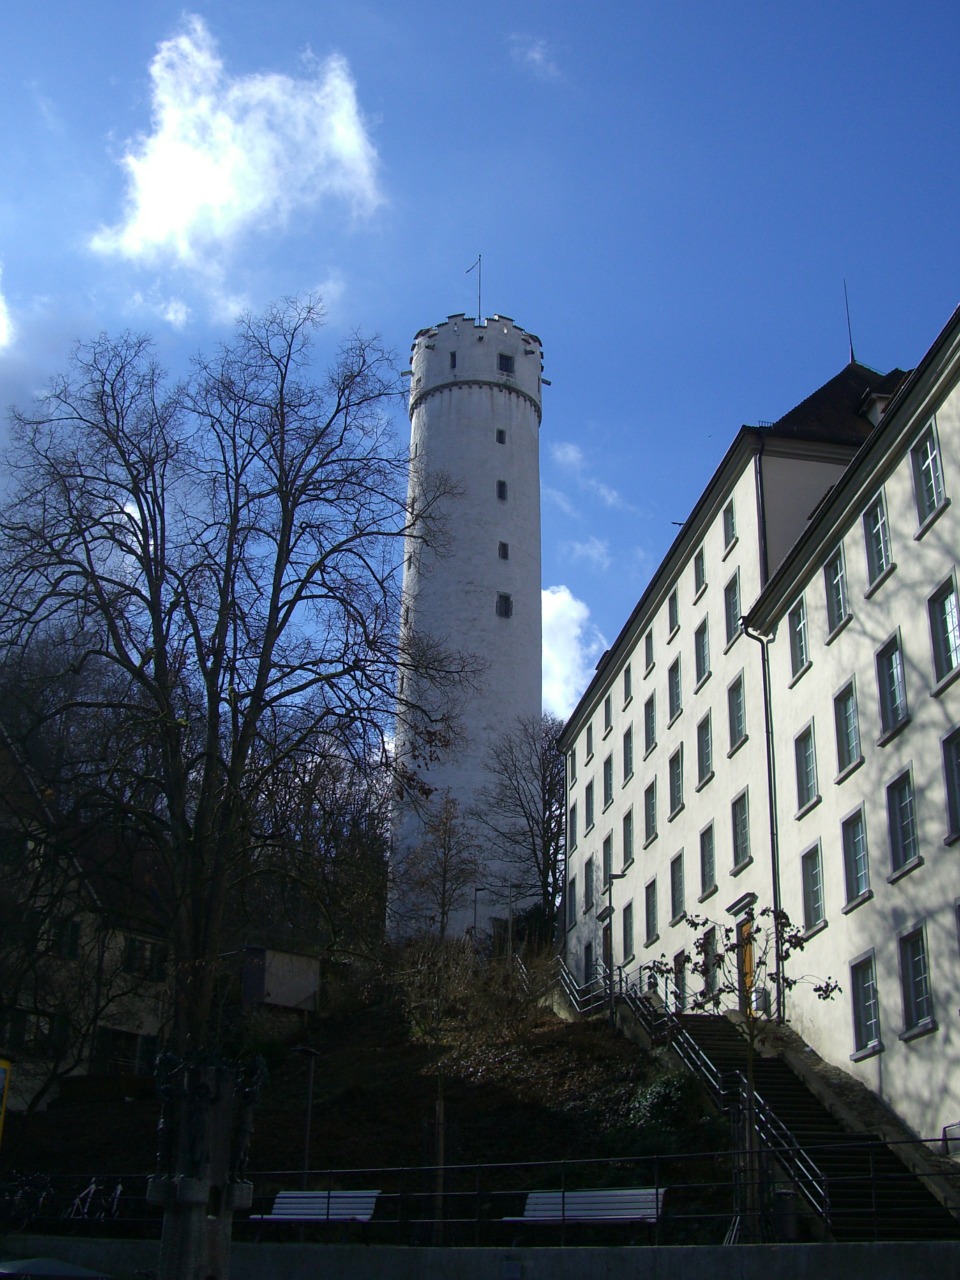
674	690
876	538
904	848
892	699
650	724
608	781
736	700
865	1007
835	592
741	829
805	762
701	653
928	506
799	639
811	886
708	861
705	750
731	608
650	913
675	782
677	891
856	859
916	992
846	723
729	521
628	837
650	813
943	611
628	752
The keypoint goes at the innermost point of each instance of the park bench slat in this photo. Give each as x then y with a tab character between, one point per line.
320	1206
601	1204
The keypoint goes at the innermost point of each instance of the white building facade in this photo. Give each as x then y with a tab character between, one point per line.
863	629
475	409
809	758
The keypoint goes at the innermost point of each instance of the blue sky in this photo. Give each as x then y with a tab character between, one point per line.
669	194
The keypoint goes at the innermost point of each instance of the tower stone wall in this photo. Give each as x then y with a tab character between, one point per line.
475	417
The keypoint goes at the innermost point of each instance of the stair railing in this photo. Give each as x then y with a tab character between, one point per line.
653	1000
776	1139
586	997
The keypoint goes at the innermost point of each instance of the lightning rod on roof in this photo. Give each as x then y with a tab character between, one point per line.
849	328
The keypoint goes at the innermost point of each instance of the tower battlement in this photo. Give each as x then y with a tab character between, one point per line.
459	352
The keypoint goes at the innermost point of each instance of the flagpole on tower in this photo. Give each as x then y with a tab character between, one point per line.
478	267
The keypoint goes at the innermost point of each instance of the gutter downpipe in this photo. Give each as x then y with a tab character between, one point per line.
763	641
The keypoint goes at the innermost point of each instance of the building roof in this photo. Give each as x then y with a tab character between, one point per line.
834	412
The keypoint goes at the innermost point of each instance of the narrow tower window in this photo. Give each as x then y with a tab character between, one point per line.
503	550
504	605
505	363
501	436
453	359
502	490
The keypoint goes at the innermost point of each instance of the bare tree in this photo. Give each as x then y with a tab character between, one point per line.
226	549
521	810
440	874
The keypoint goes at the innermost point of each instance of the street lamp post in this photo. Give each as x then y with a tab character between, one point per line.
313	1055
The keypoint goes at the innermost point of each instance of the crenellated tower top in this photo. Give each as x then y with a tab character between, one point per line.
461	352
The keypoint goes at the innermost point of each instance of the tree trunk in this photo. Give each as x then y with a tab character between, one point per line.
197	1183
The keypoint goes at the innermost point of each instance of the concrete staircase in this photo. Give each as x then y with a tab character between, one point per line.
870	1193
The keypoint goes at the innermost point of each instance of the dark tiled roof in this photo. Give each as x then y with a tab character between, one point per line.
833	412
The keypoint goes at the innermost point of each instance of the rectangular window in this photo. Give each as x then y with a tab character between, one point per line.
676	887
588	806
453	359
648	650
503	550
627	684
673	612
811	875
835	582
501	436
607	860
504	605
902	822
588	884
144	956
650	723
856	866
608	781
627	923
628	753
736	706
915	981
589	741
945	629
699	571
892	686
847	724
951	772
797	626
729	525
607	713
731	607
502	490
866	1005
704	750
927	475
650	910
505	363
740	821
708	861
573	765
628	837
806	761
674	695
571	902
650	812
701	652
876	539
676	782
572	826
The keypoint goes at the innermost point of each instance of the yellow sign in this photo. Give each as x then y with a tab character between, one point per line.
4	1087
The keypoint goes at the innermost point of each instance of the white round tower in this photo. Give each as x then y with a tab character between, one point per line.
475	418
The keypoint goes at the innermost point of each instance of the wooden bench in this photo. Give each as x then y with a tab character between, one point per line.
320	1206
605	1204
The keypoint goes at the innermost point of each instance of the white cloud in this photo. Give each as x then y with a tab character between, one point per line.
6	323
534	54
559	500
572	646
569	456
594	551
229	154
